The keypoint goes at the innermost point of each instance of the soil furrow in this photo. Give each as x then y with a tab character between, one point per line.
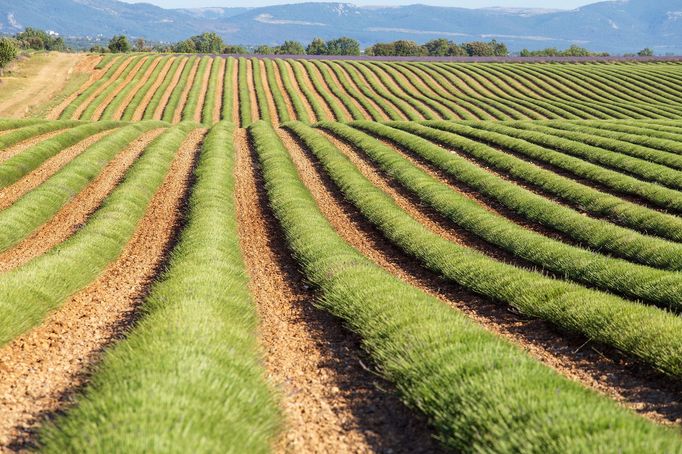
236	118
129	97
204	89
311	88
14	192
140	110
177	116
109	82
158	113
95	74
298	92
97	114
599	367
337	82
332	403
76	213
24	145
274	116
285	95
324	86
355	87
43	370
220	86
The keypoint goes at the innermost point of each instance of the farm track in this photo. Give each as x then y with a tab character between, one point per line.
14	192
45	368
331	401
95	76
596	366
76	213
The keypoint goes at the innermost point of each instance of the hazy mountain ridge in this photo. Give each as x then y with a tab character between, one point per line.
614	26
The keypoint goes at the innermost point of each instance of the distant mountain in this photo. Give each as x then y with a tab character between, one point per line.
614	26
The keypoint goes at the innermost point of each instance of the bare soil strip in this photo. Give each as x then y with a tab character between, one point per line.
110	97
204	89
158	113
274	116
324	86
191	80
140	110
352	99
332	403
112	80
256	114
220	86
605	370
76	213
86	65
24	145
43	370
299	93
140	83
360	93
285	95
236	117
311	88
14	192
398	80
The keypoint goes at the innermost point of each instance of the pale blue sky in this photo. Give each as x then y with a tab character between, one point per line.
559	4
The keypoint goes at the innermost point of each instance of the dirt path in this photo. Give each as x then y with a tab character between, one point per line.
297	92
236	117
331	402
337	82
256	114
158	113
311	88
191	78
355	87
204	89
141	109
13	150
43	370
86	65
40	78
76	213
107	83
324	86
274	116
599	367
14	192
99	111
140	83
285	95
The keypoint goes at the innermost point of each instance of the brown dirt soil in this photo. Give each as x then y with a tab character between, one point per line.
97	114
332	402
324	86
24	145
87	65
398	80
382	86
40	83
274	117
236	117
158	113
14	192
139	112
220	86
601	368
311	88
297	92
109	82
352	83
43	369
336	82
204	89
177	117
285	95
255	110
129	97
76	213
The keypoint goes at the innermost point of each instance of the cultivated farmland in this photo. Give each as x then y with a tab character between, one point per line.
219	254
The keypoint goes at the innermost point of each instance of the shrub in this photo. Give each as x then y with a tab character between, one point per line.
8	51
119	44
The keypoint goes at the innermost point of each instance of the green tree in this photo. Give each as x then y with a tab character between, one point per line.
646	52
140	45
208	43
231	49
381	49
404	48
316	47
479	49
185	47
8	51
438	47
36	39
264	50
343	46
119	44
499	49
290	48
576	51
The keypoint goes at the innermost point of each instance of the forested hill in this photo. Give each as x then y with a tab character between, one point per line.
614	26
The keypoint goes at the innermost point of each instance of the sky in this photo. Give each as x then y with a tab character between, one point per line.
558	4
